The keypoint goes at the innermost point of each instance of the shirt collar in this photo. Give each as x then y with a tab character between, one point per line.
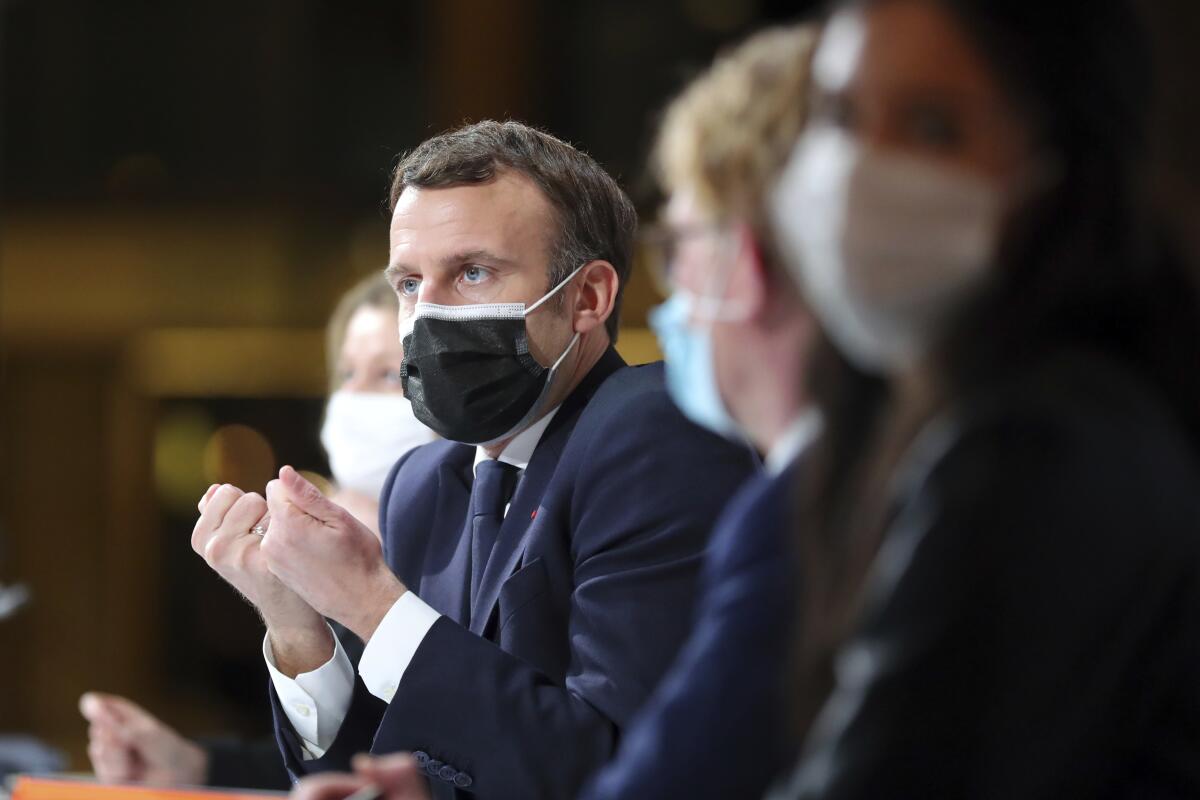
795	439
518	451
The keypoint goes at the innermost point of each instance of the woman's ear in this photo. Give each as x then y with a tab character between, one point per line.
597	296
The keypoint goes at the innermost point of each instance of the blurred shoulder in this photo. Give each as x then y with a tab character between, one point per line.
631	415
1086	400
632	381
1074	436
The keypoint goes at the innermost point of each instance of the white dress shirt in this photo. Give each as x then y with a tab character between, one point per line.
316	702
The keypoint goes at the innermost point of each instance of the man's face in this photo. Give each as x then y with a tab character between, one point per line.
479	243
705	265
703	251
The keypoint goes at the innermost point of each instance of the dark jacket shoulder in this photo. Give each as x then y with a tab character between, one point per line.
633	406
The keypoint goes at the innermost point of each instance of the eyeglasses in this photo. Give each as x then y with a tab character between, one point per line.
659	248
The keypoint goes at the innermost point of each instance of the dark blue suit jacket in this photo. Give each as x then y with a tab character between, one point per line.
585	601
1031	626
717	725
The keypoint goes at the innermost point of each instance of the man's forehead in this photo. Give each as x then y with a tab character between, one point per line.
509	204
508	216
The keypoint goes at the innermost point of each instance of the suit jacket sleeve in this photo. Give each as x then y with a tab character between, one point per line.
721	706
648	488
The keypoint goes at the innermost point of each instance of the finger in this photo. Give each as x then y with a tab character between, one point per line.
104	736
239	554
114	705
398	774
307	497
107	746
139	727
283	511
213	515
91	706
118	722
99	709
277	497
327	786
244	514
207	496
98	755
112	762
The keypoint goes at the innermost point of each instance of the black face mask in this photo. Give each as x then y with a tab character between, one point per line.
468	372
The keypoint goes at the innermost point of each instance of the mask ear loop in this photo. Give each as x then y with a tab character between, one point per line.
554	291
570	347
547	296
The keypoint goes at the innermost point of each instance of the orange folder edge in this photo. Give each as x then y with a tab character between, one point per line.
28	788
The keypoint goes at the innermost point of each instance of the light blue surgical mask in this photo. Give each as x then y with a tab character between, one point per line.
688	349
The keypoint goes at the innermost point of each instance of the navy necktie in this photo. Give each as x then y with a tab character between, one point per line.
494	484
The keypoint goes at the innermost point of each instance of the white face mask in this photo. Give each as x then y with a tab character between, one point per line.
365	434
885	246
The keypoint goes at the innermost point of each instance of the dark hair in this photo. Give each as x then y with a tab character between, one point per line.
1086	262
1090	260
596	220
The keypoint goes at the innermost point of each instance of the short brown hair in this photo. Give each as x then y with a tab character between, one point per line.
729	132
596	220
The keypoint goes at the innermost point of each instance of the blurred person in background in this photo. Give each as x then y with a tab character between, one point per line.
368	425
539	567
736	335
1000	532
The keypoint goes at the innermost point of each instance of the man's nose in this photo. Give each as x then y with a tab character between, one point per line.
433	290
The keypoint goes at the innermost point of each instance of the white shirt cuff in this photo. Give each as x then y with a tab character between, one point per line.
315	702
393	645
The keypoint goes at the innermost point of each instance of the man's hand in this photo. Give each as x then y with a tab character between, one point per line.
128	745
329	558
223	536
396	777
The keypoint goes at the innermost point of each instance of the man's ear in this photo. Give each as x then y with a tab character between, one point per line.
749	285
596	297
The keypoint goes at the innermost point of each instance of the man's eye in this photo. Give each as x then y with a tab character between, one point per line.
409	286
474	274
392	376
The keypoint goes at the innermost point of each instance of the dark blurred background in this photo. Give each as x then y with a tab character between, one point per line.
185	189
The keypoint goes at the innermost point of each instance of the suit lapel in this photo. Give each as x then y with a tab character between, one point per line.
445	579
513	538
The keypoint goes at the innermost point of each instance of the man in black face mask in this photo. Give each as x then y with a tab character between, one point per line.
540	564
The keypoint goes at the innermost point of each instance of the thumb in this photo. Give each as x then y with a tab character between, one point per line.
132	723
307	497
101	708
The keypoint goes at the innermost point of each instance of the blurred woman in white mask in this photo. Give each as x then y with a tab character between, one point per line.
368	426
369	423
1001	527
